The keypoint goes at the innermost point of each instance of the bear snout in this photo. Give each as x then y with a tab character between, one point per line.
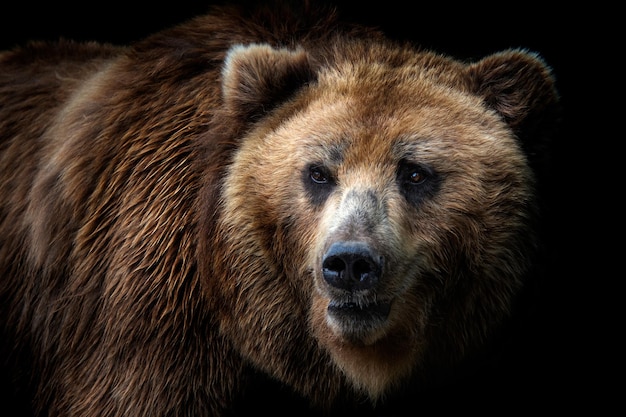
353	272
352	266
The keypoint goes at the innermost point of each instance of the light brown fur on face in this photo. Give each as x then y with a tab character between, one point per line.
335	212
362	133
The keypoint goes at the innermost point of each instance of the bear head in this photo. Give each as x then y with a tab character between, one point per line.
377	214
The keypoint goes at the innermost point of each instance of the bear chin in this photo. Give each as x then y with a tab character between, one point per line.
367	342
359	323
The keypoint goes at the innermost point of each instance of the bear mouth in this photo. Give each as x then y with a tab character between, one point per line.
357	321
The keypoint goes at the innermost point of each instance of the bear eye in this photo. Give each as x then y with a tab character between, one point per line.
416	177
318	183
413	174
319	175
416	181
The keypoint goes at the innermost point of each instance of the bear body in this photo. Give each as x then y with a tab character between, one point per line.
240	196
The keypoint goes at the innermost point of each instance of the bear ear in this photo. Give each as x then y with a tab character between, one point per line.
518	85
257	77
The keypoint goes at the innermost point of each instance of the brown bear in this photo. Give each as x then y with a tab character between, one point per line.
250	202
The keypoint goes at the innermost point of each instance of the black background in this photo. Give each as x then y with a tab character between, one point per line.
564	359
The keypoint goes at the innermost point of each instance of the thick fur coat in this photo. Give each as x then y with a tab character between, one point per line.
251	197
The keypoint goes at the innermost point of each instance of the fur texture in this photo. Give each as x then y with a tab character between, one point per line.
170	214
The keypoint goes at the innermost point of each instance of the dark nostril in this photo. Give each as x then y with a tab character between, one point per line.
361	269
351	266
334	269
335	264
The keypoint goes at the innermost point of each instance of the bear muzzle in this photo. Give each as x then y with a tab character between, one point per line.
353	271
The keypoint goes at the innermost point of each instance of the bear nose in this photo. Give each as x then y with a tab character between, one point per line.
351	266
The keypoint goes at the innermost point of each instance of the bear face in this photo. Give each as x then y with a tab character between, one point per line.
389	194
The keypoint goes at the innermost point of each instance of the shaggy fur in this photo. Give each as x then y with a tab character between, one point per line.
166	210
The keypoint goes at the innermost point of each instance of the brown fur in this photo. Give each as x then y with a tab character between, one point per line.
159	245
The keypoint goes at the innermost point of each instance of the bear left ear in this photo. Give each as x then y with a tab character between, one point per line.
257	77
518	85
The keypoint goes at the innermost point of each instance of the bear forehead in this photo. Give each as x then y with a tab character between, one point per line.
377	88
403	116
416	99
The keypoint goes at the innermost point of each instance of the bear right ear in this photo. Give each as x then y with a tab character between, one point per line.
257	77
517	84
